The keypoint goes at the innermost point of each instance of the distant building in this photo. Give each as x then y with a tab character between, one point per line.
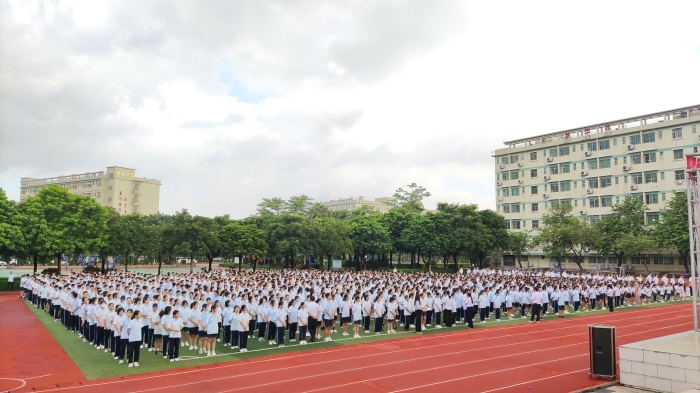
594	167
116	187
379	204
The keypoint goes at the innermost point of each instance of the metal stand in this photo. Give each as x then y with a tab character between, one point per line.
693	196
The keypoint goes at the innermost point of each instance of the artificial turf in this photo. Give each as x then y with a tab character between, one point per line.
96	364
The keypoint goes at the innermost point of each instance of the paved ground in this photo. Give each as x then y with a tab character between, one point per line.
627	389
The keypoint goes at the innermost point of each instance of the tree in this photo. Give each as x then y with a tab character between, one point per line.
288	238
127	236
189	235
563	235
369	237
298	204
627	218
491	235
239	239
11	236
271	207
672	230
466	228
331	238
518	243
396	220
412	198
637	245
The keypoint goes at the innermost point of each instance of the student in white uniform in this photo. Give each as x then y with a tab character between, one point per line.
134	333
175	329
235	327
281	323
357	317
244	320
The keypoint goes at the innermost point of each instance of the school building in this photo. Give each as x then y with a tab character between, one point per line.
116	187
592	168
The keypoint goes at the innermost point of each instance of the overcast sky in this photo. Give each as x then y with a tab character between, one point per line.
227	102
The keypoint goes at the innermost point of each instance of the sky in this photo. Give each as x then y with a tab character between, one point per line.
228	102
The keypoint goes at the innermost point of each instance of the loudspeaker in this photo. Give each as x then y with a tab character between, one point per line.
602	351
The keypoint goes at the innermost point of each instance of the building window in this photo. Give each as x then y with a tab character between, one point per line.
565	168
604	163
506	224
554	187
592	164
662	260
516	224
606	201
636	178
553	152
635	139
514	159
605	182
593	202
592	146
505	176
652	218
506	192
638	196
648	137
593	183
677	133
649	157
535	224
535	207
533	172
638	260
651	198
680	175
678	154
636	158
514	175
504	160
515	208
533	156
554	169
565	186
506	208
564	151
604	144
533	190
515	191
650	177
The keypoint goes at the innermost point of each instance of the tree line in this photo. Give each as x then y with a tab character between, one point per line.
293	232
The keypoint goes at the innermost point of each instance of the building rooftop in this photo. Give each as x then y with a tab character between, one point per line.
608	126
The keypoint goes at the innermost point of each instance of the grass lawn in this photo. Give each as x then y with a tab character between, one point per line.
96	364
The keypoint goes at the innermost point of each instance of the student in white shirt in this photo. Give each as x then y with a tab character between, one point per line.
175	329
235	327
134	333
124	323
164	321
154	318
281	324
244	320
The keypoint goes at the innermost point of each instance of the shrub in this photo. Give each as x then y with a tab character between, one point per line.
52	271
92	269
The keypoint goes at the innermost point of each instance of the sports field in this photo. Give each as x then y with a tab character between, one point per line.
497	356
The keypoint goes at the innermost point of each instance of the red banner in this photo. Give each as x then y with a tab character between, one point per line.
692	162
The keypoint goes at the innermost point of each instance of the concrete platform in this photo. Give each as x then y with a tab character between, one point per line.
665	364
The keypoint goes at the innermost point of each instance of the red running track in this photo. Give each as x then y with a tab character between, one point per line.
548	357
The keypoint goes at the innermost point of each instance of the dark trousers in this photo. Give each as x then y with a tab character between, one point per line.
10	286
610	303
536	308
498	313
408	320
271	329
293	331
227	334
134	351
99	335
251	329
166	341
123	343
365	323
437	318
447	316
262	326
302	332
419	321
312	328
149	338
112	342
243	340
470	317
428	317
483	313
544	308
174	343
577	304
280	335
235	336
378	324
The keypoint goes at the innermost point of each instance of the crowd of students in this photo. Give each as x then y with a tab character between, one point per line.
123	313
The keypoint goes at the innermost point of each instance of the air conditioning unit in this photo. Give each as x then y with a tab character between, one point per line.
498	183
630	147
680	181
629	267
520	181
500	199
550	159
626	167
502	166
588	154
582	212
547	178
520	164
584	173
589	191
545	195
633	187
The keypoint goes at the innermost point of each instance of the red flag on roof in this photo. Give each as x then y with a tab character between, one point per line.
692	162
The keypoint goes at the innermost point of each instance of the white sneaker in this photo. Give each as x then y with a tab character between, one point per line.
208	354
213	353
172	360
428	325
356	336
136	364
346	334
293	340
334	331
177	359
280	346
308	334
438	326
226	344
106	350
165	357
131	365
201	351
412	325
327	339
121	362
191	347
423	327
367	331
182	344
195	348
318	337
116	357
498	320
218	340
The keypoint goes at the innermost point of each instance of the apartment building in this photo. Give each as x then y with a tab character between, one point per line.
594	167
116	187
379	204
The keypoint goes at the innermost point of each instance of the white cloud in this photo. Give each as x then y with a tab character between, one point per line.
234	101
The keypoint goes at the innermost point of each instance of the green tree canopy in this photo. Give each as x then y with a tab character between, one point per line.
672	230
